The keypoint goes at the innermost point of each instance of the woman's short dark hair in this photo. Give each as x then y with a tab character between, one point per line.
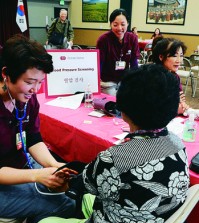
20	54
149	96
117	12
166	47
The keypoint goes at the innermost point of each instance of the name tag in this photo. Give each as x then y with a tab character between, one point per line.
18	140
120	65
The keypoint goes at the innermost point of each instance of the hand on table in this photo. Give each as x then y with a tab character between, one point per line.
183	106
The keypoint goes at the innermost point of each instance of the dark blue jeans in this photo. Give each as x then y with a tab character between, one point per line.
24	201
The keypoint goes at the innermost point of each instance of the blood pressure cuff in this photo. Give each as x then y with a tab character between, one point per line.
106	106
194	165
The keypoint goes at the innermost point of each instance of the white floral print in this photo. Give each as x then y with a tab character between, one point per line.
178	185
141	194
147	170
109	183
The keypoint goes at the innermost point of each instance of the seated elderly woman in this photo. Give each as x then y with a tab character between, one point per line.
145	178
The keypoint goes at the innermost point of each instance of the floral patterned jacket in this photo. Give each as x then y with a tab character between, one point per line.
143	180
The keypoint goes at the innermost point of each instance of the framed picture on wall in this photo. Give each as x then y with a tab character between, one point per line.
169	12
95	11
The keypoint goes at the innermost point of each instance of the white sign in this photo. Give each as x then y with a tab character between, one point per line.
73	71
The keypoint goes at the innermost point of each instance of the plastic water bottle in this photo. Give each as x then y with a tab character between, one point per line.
190	129
88	95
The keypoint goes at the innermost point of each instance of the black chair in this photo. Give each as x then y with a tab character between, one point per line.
147	52
76	47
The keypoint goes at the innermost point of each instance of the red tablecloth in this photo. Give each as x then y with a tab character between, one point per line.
74	135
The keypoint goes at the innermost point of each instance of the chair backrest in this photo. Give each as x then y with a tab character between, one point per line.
91	47
183	212
186	64
141	59
150	58
194	59
148	47
76	47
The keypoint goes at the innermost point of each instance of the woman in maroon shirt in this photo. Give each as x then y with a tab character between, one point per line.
24	190
119	50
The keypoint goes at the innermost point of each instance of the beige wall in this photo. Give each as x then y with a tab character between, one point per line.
139	8
87	36
88	33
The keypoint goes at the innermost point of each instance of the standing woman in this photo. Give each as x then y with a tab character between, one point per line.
119	50
156	33
169	52
26	192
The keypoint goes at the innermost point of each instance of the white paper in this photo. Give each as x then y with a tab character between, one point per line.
72	102
176	126
121	136
96	113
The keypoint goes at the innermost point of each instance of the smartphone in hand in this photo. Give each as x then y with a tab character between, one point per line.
67	171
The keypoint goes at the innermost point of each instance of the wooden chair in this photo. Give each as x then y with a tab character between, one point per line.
183	212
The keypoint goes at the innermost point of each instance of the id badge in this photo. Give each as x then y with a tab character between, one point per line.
120	65
18	140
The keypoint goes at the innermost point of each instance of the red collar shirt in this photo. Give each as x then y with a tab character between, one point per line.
9	125
111	50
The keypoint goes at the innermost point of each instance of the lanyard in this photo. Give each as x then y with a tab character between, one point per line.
121	54
21	130
20	127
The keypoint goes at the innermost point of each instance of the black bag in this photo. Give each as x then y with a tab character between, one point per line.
194	165
56	38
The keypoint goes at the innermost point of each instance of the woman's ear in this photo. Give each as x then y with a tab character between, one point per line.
161	57
3	72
